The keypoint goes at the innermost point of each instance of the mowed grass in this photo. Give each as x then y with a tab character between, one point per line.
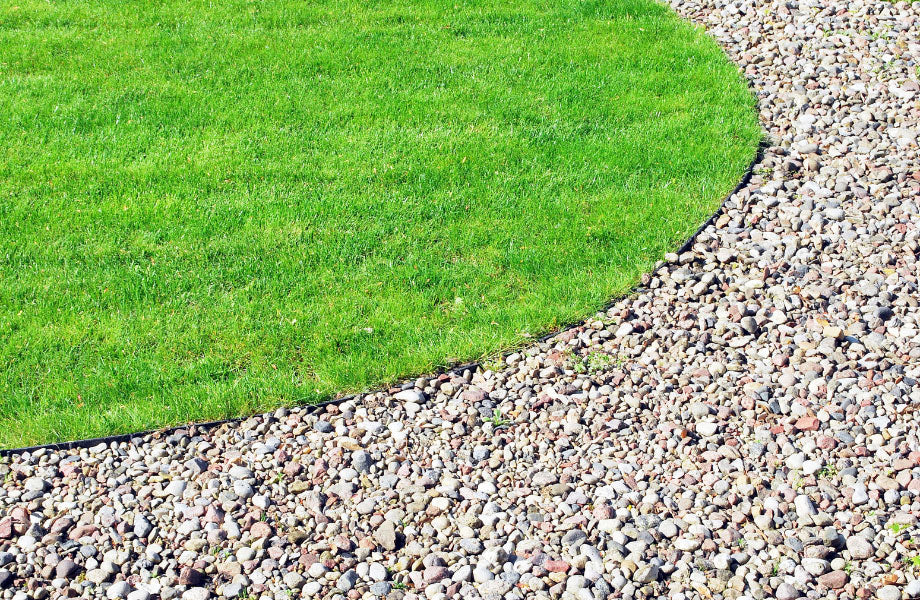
210	209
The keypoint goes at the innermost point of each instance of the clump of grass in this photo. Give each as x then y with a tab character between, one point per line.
593	362
215	209
827	472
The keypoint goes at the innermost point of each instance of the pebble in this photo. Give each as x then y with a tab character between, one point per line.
142	526
786	591
347	581
119	589
859	547
888	592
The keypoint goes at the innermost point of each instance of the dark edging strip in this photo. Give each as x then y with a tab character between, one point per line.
450	370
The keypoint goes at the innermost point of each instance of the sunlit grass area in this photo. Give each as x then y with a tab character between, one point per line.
210	209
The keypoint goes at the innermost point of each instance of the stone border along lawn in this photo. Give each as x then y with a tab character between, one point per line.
330	220
753	434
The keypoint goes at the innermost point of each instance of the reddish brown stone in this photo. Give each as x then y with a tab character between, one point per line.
827	443
833	580
61	524
435	574
190	576
367	543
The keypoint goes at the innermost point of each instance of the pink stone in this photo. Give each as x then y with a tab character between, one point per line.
82	531
556	566
213	515
808	424
6	528
20	514
70	468
418	580
901	464
260	529
603	512
61	524
342	543
435	574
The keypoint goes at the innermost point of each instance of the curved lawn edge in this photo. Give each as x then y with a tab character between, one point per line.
451	369
155	319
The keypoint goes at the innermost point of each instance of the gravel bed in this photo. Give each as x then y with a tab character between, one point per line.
743	426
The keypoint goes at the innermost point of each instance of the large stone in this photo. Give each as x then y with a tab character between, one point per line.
833	580
786	592
142	526
646	574
67	569
859	547
386	536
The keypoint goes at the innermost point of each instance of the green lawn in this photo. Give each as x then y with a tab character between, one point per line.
214	208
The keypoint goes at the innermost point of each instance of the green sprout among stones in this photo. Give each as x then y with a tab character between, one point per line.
497	420
897	528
